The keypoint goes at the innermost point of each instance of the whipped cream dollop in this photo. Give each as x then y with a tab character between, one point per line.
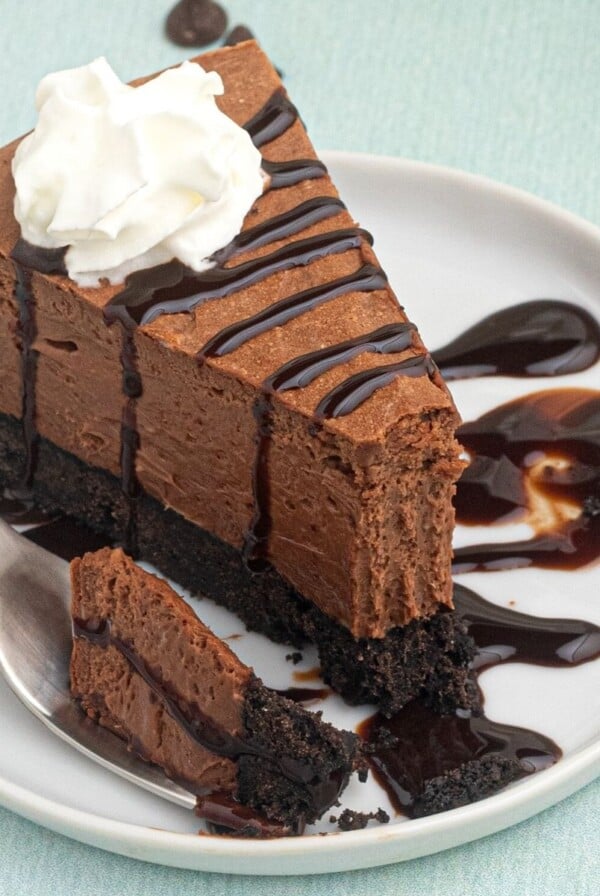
128	177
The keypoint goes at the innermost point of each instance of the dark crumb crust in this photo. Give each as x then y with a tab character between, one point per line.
427	658
461	786
287	732
350	820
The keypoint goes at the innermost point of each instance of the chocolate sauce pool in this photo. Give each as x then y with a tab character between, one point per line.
18	509
224	815
430	749
67	538
540	338
435	754
503	635
547	441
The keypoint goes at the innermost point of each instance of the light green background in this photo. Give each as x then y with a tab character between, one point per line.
504	88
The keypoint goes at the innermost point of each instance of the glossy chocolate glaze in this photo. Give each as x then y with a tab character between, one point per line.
560	427
366	279
352	392
292	171
503	635
225	815
545	337
204	730
19	509
173	288
196	23
276	116
430	746
282	226
67	538
300	372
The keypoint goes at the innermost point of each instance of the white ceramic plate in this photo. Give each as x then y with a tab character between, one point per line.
455	247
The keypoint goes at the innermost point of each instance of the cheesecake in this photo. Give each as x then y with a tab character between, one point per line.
265	427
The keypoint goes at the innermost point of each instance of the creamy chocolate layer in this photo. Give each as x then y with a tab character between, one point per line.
143	613
360	510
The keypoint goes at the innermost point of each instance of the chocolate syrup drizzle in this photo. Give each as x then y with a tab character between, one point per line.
282	226
29	359
292	171
540	338
19	509
352	392
561	424
206	731
366	279
225	815
503	635
300	372
272	120
27	258
173	288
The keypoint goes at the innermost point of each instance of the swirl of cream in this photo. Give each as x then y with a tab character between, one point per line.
128	177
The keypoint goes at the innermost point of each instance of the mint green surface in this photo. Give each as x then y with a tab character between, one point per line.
503	88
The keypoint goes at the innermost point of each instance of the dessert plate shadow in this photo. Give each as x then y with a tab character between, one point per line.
457	247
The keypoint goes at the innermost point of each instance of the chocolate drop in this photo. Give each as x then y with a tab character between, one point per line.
237	35
196	23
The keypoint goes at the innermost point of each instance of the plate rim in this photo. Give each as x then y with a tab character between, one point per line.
479	181
374	846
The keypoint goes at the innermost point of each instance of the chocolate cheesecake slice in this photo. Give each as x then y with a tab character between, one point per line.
144	666
270	432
